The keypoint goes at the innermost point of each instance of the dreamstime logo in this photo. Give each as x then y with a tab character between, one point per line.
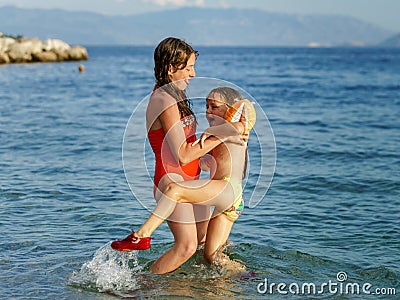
138	158
338	287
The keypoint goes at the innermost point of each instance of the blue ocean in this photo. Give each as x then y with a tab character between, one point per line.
327	227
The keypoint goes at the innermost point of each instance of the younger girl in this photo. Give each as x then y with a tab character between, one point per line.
223	190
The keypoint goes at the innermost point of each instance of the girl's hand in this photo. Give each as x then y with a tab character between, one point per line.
237	139
241	129
243	119
201	139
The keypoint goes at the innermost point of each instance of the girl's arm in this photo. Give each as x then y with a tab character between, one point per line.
224	130
227	132
175	135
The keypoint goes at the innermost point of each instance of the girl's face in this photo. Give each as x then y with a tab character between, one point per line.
215	109
182	76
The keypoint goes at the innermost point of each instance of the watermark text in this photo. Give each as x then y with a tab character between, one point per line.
335	287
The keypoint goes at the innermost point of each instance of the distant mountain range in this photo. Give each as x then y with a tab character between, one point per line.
199	26
393	41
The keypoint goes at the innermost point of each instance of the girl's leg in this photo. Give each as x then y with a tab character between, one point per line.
184	231
185	244
202	213
204	192
218	232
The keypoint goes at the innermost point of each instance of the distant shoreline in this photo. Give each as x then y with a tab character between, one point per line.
32	50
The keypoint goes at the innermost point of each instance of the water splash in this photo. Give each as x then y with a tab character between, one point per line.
108	271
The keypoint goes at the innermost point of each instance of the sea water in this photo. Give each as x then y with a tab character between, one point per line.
330	217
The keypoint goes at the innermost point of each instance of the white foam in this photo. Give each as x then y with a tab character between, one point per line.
109	270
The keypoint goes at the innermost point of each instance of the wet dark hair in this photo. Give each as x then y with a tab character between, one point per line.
176	53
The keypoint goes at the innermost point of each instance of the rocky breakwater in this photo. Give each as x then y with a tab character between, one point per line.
27	50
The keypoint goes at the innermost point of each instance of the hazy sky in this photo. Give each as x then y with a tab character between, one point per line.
384	13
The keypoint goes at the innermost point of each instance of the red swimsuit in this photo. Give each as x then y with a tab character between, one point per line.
165	161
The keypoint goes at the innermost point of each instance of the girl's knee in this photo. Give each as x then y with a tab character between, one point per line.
187	249
173	191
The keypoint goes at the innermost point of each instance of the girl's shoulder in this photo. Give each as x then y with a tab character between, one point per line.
161	99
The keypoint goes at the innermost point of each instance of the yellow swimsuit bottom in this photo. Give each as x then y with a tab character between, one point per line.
237	207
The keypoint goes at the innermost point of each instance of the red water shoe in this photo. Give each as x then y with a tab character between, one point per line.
131	242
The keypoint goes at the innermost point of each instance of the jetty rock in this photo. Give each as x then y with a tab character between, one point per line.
27	50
